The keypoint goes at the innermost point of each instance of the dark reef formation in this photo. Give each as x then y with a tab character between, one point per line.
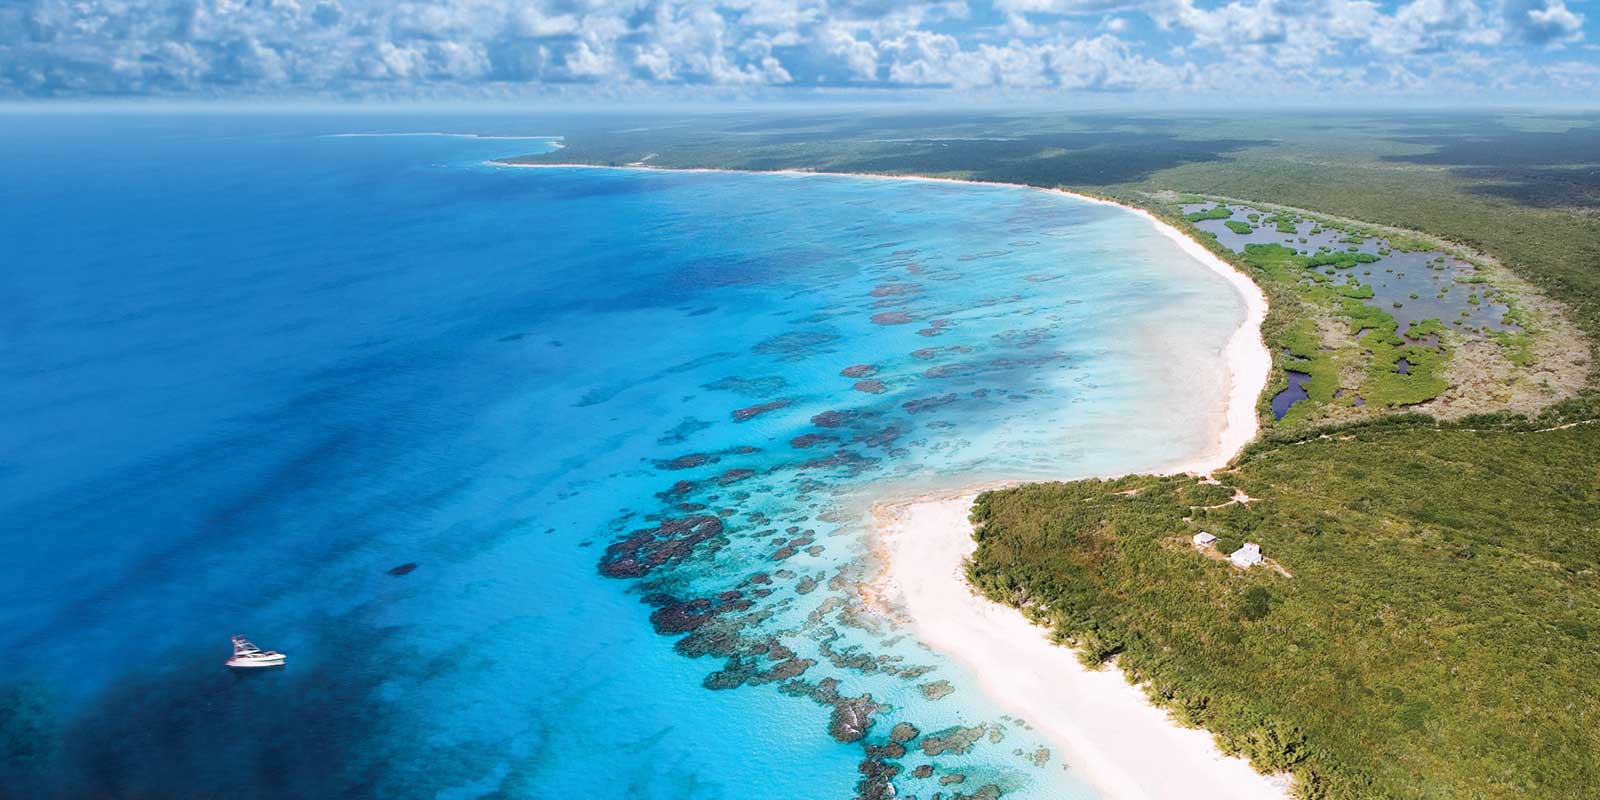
930	353
922	404
798	345
644	550
765	386
749	412
896	289
806	440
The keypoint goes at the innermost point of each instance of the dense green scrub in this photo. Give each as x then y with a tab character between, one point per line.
1216	212
1439	638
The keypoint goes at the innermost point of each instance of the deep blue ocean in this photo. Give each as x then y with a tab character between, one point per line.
618	430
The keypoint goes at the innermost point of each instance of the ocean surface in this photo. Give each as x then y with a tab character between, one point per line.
551	482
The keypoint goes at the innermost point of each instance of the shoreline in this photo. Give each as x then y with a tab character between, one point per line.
1246	362
1107	730
554	140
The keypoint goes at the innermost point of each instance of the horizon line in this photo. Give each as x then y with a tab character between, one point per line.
752	105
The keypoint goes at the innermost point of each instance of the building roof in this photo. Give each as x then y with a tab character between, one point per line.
1247	555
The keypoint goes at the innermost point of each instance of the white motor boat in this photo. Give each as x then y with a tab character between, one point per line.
248	656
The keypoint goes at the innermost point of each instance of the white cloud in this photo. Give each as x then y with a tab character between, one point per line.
1544	22
1072	7
584	61
923	58
383	61
860	57
1432	24
532	22
71	47
655	61
1106	63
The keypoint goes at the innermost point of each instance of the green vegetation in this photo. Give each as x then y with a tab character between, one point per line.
1409	244
1354	290
1238	227
1428	645
1215	212
1423	328
1518	346
1341	260
1303	343
1387	387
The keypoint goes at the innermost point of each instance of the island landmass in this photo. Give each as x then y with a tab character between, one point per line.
1425	484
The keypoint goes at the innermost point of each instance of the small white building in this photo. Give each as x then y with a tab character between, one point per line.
1247	556
1204	539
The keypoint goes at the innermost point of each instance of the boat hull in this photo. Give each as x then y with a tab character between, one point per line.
254	663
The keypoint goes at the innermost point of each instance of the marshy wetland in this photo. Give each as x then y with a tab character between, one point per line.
1411	285
1388	319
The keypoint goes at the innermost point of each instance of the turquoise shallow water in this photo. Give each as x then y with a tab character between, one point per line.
252	368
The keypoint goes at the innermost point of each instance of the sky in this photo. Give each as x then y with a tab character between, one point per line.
620	51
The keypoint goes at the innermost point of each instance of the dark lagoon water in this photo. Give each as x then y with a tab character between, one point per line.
1291	394
552	483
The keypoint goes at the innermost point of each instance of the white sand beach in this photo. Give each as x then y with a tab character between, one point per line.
1105	728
